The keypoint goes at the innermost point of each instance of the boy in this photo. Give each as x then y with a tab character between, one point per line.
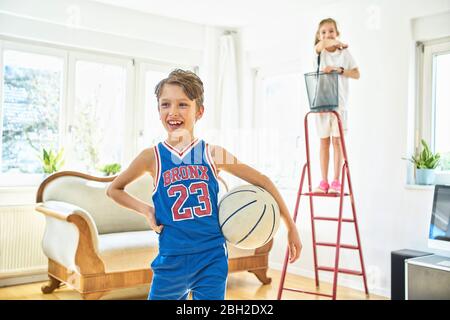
192	250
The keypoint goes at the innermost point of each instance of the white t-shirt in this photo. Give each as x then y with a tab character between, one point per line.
339	58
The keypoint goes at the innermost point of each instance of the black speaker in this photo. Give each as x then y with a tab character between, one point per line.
398	271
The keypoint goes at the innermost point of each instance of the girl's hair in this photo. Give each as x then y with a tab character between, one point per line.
190	83
324	21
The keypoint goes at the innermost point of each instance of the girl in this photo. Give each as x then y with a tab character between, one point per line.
334	57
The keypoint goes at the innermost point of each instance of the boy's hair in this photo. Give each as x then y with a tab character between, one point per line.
324	21
190	83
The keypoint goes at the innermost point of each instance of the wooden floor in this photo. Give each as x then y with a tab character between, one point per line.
240	286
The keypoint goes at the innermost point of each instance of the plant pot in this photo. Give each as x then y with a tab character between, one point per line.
425	176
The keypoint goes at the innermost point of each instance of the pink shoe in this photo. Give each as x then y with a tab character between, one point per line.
335	187
323	187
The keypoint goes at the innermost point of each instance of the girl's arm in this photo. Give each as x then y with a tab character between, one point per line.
144	162
227	162
329	44
351	73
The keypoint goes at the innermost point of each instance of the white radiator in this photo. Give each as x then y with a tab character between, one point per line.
21	231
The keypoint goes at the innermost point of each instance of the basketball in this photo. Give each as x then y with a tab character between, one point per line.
249	216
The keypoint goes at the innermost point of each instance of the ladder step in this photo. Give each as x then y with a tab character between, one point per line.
346	271
333	219
327	195
309	292
345	246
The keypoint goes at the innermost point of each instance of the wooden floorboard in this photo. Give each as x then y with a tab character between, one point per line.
240	286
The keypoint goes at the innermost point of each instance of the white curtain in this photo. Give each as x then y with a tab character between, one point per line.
227	97
227	102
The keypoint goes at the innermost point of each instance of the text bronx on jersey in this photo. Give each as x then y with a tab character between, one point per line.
185	173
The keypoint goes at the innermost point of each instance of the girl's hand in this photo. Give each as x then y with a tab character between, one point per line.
295	245
150	216
329	69
335	44
341	46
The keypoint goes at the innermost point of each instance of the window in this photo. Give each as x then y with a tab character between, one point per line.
435	99
280	127
98	126
441	106
30	108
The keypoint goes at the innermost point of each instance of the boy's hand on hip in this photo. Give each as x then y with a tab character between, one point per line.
151	219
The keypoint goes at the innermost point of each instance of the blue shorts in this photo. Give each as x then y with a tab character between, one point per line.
204	274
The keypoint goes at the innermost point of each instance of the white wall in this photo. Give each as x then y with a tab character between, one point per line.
95	26
391	216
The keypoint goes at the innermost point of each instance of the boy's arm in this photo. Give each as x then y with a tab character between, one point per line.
144	162
227	162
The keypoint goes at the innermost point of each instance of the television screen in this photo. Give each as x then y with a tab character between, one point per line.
440	217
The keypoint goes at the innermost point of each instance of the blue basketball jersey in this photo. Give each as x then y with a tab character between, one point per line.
185	199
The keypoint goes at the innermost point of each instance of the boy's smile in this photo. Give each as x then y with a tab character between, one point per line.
174	124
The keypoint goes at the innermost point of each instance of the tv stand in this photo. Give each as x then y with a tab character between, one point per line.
427	278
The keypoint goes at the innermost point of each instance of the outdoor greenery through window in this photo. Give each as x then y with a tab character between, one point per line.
32	91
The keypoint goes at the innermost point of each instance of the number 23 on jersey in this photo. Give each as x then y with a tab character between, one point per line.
182	193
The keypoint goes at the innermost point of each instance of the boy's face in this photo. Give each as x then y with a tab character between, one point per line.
327	31
176	111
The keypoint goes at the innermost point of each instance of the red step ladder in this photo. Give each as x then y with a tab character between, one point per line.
338	245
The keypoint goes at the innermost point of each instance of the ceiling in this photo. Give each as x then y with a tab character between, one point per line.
229	13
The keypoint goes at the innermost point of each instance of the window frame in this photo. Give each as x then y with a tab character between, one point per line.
425	108
426	92
260	75
127	64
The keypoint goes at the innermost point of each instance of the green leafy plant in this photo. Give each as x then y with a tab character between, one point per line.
425	159
52	161
111	169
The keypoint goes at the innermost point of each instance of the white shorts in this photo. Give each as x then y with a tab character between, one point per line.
327	124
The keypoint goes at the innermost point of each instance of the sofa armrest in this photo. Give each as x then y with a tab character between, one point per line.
71	237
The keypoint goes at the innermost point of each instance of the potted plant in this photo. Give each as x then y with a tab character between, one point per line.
425	164
110	169
52	161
